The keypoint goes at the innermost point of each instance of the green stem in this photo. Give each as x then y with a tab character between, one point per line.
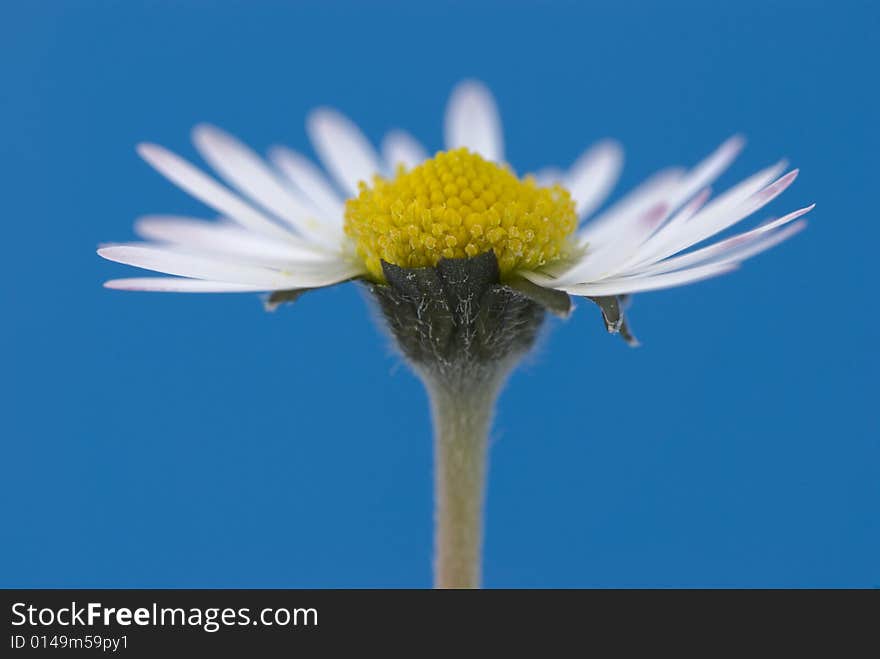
462	413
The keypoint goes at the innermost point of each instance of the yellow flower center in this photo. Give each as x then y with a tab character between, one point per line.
457	205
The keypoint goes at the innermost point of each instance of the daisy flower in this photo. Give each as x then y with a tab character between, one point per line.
463	256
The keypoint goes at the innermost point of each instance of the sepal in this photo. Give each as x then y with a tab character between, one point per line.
457	316
612	308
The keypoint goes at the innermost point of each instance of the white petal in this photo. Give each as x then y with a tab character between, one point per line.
728	209
224	238
734	247
401	148
206	189
343	149
758	246
640	256
651	192
247	172
593	175
673	191
472	121
745	189
310	181
769	193
170	262
640	284
549	176
180	285
604	258
707	171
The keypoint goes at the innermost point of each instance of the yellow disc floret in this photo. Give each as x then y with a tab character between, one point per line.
457	205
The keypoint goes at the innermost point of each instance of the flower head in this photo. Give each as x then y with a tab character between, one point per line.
463	257
287	227
458	205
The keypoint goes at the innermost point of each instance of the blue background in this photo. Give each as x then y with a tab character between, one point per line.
163	440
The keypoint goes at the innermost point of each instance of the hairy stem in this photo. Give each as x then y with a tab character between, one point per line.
462	414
